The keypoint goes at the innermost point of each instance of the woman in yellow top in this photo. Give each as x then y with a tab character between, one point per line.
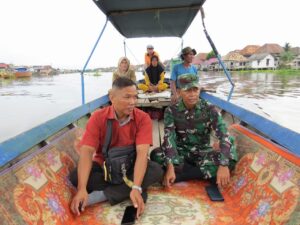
154	77
124	70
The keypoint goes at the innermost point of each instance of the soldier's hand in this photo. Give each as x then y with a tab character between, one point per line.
170	176
223	176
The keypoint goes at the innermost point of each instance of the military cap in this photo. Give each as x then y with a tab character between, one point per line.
187	81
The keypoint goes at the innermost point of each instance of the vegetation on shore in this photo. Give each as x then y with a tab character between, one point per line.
287	72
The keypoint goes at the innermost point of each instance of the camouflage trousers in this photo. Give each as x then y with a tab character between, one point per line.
204	166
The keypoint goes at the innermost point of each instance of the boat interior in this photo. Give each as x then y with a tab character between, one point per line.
264	186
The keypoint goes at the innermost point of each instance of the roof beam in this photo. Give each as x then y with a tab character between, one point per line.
119	12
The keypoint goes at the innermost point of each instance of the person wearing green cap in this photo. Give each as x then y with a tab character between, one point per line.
187	55
186	152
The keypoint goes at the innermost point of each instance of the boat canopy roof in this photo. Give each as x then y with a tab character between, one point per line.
150	18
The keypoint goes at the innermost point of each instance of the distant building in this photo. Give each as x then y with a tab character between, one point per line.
4	66
42	70
274	49
296	62
212	63
234	61
295	51
199	60
200	57
261	61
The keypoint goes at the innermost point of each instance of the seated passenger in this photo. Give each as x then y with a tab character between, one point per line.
186	152
148	55
186	67
124	70
154	77
103	172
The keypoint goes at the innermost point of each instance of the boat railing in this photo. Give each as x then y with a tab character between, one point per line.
15	147
276	133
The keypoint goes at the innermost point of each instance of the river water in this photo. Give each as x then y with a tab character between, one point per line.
26	103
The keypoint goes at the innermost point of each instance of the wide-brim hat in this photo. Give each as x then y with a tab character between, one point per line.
188	50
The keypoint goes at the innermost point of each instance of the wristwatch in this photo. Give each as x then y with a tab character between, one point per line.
137	188
224	162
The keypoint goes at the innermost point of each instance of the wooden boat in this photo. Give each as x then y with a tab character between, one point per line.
22	72
6	74
264	188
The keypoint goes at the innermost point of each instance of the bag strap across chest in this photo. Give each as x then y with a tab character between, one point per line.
107	139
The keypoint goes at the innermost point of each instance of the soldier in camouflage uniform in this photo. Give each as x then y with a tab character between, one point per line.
186	152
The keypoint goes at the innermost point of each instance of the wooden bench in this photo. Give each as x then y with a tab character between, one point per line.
264	189
154	100
157	133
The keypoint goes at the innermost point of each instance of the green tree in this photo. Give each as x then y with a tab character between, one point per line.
287	47
286	57
211	54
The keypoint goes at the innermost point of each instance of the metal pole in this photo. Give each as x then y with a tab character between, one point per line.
87	62
218	57
227	73
124	42
181	43
225	70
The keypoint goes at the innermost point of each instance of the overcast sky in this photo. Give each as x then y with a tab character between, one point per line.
62	32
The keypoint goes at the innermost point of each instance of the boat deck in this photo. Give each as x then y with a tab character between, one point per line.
264	189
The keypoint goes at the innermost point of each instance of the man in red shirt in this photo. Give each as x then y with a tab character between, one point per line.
130	126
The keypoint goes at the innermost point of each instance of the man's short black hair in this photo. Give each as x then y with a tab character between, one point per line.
123	82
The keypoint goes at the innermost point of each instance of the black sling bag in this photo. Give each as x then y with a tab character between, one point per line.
118	161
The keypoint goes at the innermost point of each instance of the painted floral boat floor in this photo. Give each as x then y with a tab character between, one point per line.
264	189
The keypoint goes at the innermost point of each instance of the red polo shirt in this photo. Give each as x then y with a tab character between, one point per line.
138	130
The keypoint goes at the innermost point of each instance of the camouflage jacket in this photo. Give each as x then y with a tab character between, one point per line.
187	134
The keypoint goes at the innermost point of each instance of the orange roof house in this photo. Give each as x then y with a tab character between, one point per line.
270	48
199	58
249	50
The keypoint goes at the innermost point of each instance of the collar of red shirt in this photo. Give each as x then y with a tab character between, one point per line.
112	115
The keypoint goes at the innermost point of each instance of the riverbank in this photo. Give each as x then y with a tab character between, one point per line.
277	72
26	103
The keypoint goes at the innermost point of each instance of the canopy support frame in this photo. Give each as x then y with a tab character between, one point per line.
124	43
227	73
87	62
124	12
